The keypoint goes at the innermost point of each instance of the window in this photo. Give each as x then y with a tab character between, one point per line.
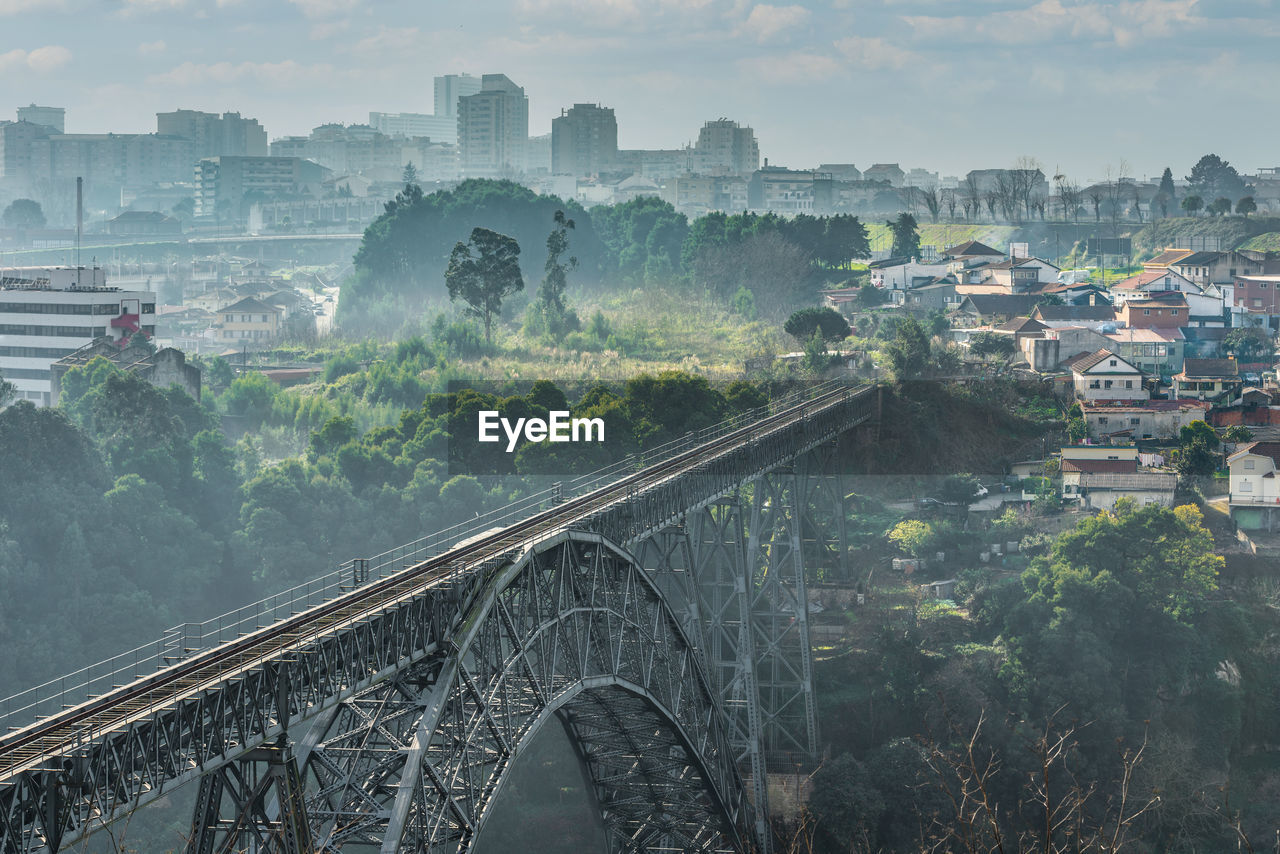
231	318
1249	465
1128	383
1246	486
1102	419
1108	384
1095	384
1113	363
264	318
1175	312
1144	311
1135	421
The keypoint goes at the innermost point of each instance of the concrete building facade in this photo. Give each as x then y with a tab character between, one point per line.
493	129
584	140
47	313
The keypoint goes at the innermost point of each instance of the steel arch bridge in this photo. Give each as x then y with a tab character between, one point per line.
658	615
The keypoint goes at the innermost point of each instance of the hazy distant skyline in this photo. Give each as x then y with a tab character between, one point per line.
940	84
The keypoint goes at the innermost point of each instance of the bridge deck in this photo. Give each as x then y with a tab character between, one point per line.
61	734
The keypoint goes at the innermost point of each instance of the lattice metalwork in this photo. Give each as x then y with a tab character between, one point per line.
420	687
233	808
574	630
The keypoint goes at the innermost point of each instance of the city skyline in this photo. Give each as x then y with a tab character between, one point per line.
906	81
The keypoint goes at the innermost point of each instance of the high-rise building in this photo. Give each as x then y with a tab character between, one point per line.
50	312
223	182
451	87
50	117
227	135
584	140
437	128
17	141
724	146
493	129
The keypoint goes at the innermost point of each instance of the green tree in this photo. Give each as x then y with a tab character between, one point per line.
1212	177
1246	206
909	350
1220	206
869	296
1192	204
744	302
556	278
984	344
7	391
1198	431
1249	343
1237	433
906	236
1167	189
827	323
1077	430
23	213
482	272
959	489
410	175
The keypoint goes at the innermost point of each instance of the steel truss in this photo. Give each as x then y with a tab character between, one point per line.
574	631
417	707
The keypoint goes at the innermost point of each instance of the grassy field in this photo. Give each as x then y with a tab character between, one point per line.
1269	242
944	235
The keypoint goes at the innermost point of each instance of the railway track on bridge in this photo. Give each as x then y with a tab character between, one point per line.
60	734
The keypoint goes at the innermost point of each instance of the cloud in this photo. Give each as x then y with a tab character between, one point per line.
647	15
873	53
1122	23
283	74
767	21
13	7
41	60
386	41
149	48
136	7
326	8
793	67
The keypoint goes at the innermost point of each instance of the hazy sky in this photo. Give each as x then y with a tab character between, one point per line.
945	84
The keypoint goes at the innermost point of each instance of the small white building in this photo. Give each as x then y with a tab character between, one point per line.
47	313
1255	488
1103	375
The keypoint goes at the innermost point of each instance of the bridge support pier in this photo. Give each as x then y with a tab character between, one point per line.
249	788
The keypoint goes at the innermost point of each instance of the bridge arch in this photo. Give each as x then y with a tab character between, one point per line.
572	630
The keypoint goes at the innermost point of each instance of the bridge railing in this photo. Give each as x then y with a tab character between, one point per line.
187	638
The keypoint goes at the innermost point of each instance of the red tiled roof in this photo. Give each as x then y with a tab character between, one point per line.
1101	466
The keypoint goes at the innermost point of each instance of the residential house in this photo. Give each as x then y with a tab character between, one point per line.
1103	375
1163	260
937	295
979	309
1061	344
1147	419
1149	281
1157	310
1207	379
249	320
1157	352
1060	316
1217	268
1020	329
900	274
1259	298
971	253
1097	484
1017	275
1255	488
